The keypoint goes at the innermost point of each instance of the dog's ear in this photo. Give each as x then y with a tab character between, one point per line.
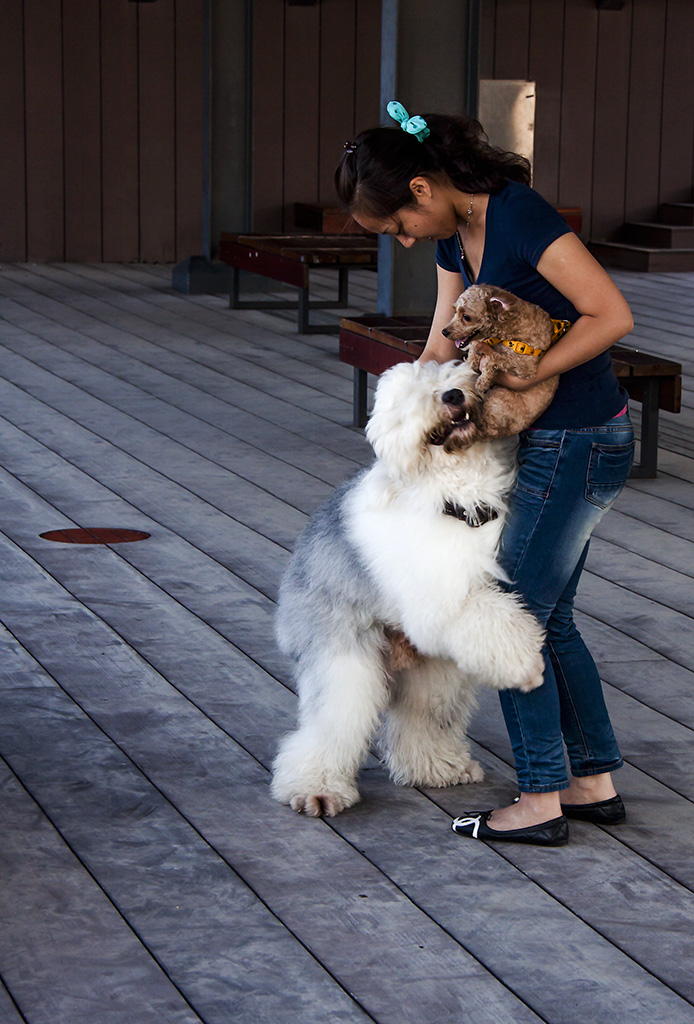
498	305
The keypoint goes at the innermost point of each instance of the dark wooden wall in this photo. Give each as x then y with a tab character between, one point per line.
615	102
316	82
100	113
100	120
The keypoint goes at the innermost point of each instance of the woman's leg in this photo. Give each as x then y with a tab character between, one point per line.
562	491
585	723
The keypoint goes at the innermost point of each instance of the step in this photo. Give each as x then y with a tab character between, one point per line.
658	236
639	257
677	213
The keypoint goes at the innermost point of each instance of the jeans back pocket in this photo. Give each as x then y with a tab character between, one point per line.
608	470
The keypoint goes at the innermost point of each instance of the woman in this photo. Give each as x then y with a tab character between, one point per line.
438	178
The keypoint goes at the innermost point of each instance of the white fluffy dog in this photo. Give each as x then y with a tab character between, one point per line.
406	547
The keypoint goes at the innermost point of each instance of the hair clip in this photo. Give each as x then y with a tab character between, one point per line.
349	147
416	125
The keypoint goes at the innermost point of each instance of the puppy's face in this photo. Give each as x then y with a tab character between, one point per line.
479	313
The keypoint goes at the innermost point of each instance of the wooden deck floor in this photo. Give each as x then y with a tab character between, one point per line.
145	874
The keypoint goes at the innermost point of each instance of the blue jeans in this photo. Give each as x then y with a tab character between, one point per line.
566	482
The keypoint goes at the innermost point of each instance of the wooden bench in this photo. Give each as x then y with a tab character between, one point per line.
289	259
373	343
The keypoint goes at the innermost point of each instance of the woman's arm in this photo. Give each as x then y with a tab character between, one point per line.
450	287
605	315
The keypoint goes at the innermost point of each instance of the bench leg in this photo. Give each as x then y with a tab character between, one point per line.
343	294
360	394
303	306
302	314
234	293
648	466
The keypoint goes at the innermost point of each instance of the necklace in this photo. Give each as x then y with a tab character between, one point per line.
467	228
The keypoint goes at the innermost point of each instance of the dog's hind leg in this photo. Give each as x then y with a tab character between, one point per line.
341	698
424	742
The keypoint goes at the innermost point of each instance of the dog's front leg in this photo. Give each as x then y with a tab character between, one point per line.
498	641
341	698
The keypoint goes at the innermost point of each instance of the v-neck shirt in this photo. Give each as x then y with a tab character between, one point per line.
519	226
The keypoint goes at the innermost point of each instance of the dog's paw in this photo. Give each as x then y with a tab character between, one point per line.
536	676
323	805
459	774
473	772
439	773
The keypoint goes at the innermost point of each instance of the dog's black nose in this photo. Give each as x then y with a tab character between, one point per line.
453	397
446	332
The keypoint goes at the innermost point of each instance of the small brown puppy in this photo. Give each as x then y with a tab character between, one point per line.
498	331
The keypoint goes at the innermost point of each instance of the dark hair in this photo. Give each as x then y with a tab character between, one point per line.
375	172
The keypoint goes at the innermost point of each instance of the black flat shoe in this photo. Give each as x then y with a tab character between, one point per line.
548	833
603	812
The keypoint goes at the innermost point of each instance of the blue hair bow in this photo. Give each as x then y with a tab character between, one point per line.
416	125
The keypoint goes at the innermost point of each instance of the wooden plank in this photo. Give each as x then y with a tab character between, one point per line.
487	37
367	67
13	240
642	186
545	67
207	493
157	122
316	366
610	127
336	117
677	138
45	181
289	356
369	355
577	111
258	477
668	631
119	139
511	39
266	392
225	951
267	396
62	936
189	128
300	884
9	1014
219	615
288	270
483	861
302	107
268	139
157	593
63	481
82	130
669	587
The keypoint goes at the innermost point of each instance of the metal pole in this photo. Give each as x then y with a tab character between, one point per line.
206	129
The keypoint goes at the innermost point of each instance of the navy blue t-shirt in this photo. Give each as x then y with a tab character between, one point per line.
520	225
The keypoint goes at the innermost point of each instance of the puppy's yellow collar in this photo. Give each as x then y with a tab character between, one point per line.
560	328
